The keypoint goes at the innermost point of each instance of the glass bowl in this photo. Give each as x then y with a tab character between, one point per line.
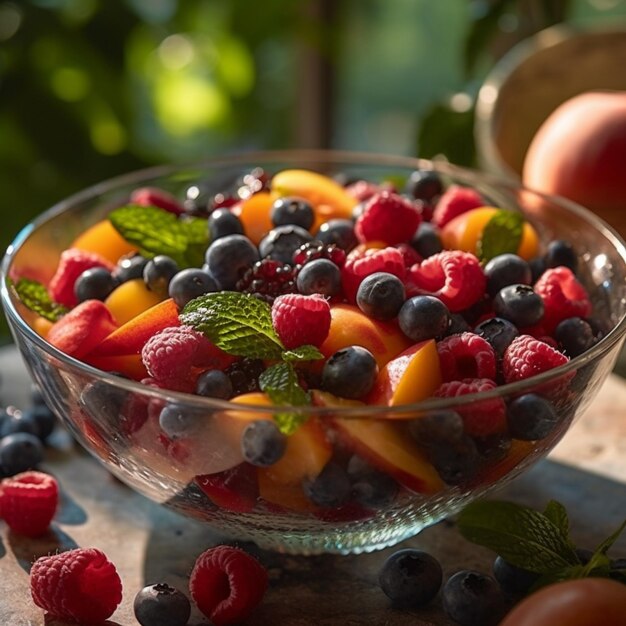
399	482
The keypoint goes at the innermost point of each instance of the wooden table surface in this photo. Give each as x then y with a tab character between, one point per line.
148	543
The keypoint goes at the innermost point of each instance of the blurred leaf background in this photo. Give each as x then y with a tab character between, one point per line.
93	88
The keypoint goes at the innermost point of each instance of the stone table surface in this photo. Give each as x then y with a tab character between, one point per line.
148	543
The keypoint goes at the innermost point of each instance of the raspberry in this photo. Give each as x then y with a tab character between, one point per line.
72	264
527	356
300	320
481	418
28	502
227	584
153	196
563	296
410	255
466	355
455	201
363	190
319	250
361	263
78	332
235	489
81	585
453	276
387	217
267	279
170	354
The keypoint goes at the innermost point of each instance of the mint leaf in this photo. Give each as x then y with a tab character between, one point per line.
604	547
302	353
503	233
520	535
557	514
156	231
280	383
35	296
238	323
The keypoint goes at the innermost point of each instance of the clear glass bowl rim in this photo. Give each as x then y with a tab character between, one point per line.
301	157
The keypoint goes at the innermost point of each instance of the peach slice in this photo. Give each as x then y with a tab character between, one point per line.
130	299
254	214
103	239
410	377
131	337
349	326
390	447
129	365
464	231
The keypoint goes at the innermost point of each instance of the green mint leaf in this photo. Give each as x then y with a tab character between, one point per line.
280	383
35	296
238	323
557	514
503	233
604	547
599	565
521	535
156	231
303	353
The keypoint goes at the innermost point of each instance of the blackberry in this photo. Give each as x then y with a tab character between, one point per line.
267	279
319	250
244	375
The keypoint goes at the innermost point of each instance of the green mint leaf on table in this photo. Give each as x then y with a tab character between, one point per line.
502	234
557	514
520	535
156	231
35	296
302	353
235	322
280	383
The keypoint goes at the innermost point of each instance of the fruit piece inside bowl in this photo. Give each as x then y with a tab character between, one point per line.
312	365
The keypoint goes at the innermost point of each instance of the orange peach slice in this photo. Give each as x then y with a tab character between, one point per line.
464	231
410	377
131	299
254	214
103	239
129	365
349	326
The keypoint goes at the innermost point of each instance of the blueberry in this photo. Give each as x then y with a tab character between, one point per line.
370	488
178	421
618	564
350	372
504	270
561	253
262	444
381	295
189	284
426	240
472	599
498	332
94	284
519	304
339	232
455	461
161	605
20	452
330	488
437	429
43	418
102	401
424	185
228	258
530	417
214	384
281	242
494	447
320	276
513	579
15	422
223	222
410	578
424	317
295	211
457	325
537	268
130	267
574	336
158	272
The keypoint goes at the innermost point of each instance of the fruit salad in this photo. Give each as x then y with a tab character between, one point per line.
320	323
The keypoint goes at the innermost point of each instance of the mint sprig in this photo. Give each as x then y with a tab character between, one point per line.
302	353
280	383
156	231
35	296
502	234
537	542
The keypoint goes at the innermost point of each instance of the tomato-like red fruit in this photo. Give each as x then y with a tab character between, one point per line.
583	602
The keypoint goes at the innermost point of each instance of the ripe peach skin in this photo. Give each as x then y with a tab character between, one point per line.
580	152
